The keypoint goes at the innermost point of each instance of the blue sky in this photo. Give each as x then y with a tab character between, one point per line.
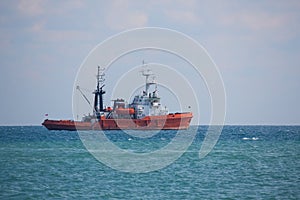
255	44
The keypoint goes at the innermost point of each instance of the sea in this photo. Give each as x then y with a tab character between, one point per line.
247	162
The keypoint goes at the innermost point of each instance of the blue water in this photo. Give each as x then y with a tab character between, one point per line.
248	162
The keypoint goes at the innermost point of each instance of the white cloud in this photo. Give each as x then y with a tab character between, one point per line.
272	21
256	20
181	16
37	27
119	16
31	7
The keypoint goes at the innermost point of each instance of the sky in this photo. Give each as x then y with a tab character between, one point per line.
255	44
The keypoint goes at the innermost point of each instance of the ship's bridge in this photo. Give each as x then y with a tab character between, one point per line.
148	103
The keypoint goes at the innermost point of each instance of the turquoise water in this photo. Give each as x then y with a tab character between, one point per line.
248	162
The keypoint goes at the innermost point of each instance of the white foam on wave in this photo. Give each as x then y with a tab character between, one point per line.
253	138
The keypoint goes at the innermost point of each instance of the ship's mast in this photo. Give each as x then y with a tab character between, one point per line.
98	103
147	72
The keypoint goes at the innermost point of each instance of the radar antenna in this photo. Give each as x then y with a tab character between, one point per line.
148	73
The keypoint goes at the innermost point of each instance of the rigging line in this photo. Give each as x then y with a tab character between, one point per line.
86	90
78	88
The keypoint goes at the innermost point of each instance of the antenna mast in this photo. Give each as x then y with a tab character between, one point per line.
98	103
147	72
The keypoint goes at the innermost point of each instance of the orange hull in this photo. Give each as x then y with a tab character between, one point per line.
171	121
